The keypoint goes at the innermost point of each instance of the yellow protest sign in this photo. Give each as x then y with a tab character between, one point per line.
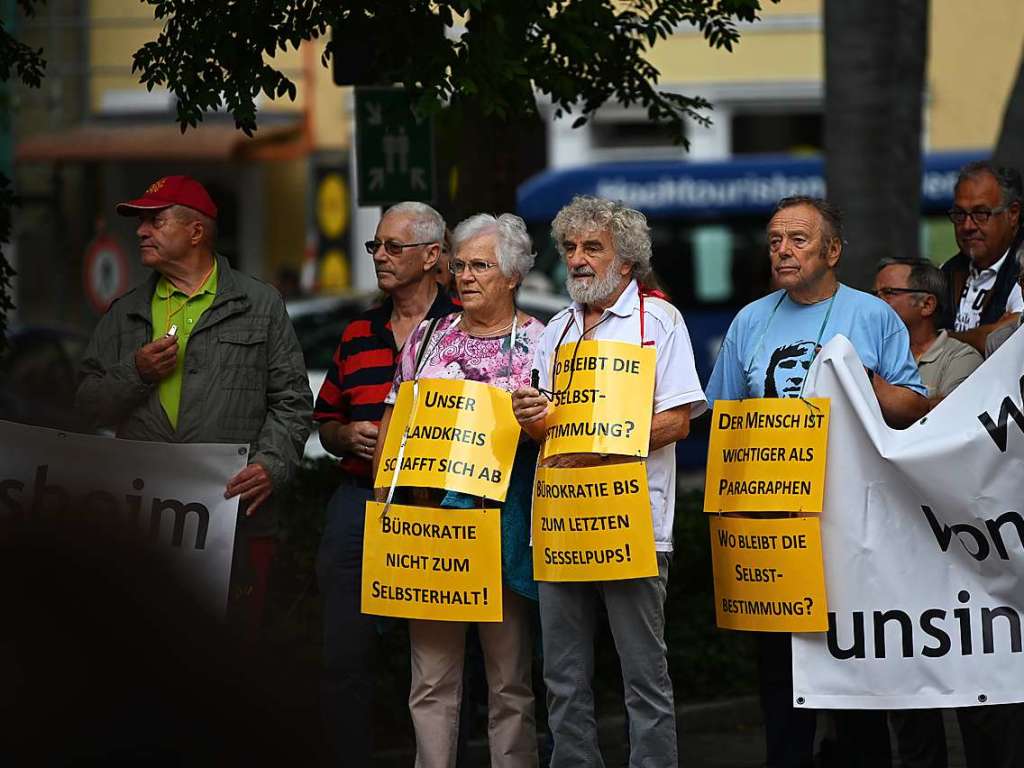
462	437
604	395
431	563
769	575
593	524
767	454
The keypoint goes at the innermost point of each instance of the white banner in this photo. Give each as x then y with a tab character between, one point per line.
171	494
923	541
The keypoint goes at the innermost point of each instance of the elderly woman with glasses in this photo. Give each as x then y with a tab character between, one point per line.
489	341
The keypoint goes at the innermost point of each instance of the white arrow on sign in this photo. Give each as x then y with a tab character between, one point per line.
416	180
376	114
376	178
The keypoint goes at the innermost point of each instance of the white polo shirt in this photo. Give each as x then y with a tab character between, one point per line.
979	282
675	379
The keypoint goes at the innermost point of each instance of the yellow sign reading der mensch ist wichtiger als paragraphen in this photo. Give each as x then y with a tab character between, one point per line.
432	563
462	437
603	396
593	524
767	455
769	574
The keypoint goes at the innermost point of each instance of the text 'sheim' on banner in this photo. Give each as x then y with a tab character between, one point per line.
769	575
593	524
432	563
462	437
767	455
604	396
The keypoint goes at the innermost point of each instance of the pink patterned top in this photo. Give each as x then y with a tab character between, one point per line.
454	354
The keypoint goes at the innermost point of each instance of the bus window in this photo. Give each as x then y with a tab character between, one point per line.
712	264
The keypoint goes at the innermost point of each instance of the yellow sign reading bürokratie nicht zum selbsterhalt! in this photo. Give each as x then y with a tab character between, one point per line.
432	563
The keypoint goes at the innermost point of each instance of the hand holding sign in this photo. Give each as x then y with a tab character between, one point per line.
528	405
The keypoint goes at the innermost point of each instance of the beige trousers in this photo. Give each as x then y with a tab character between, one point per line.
438	648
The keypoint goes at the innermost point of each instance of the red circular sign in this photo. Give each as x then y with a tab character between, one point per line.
104	272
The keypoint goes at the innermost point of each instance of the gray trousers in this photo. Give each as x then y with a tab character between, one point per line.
636	615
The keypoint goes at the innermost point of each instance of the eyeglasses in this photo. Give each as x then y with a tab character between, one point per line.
552	394
476	266
393	247
979	217
886	293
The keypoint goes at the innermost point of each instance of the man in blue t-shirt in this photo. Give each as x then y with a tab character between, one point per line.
766	353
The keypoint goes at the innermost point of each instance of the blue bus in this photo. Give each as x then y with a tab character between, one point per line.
707	226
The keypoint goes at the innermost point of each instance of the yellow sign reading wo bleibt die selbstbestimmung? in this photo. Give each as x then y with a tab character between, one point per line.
602	401
769	574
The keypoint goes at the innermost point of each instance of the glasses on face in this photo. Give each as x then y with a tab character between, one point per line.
888	293
476	266
393	247
980	216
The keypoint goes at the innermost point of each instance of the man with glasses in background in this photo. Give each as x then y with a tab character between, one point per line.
983	292
405	251
916	290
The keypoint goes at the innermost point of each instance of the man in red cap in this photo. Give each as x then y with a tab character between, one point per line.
202	353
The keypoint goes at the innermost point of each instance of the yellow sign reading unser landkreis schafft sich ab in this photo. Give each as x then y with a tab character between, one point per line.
462	436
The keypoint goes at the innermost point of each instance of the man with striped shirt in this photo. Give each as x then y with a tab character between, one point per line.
405	250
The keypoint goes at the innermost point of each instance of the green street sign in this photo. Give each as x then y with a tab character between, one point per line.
394	152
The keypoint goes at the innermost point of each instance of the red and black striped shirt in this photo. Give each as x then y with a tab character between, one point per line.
361	374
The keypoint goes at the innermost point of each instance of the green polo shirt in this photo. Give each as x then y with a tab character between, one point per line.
172	306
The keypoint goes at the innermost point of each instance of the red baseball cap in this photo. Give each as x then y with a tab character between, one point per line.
168	191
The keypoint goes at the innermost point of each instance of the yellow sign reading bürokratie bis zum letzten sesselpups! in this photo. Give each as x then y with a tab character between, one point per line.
593	523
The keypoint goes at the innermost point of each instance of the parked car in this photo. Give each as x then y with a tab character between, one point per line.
318	323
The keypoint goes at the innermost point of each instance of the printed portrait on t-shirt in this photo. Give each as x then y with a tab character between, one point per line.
787	369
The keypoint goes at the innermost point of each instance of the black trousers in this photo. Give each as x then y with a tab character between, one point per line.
993	736
862	736
350	637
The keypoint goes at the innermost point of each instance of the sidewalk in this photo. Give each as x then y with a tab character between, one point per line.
719	734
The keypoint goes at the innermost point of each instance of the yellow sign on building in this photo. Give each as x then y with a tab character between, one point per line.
767	455
769	574
460	436
603	391
432	563
593	524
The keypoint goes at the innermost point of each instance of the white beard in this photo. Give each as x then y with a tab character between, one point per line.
598	289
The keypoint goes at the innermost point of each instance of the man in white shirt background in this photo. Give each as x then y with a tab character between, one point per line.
982	277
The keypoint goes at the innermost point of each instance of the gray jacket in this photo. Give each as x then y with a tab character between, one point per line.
244	377
1000	335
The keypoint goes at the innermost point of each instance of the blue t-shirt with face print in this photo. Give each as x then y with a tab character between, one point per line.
770	344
